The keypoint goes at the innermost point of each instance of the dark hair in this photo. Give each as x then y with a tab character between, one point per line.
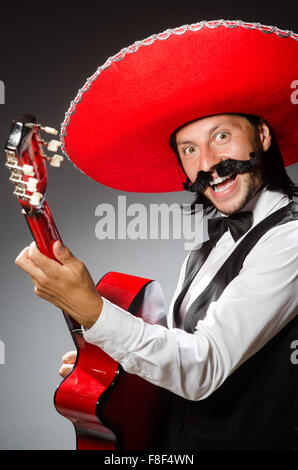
274	174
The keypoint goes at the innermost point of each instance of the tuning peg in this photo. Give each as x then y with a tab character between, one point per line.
49	130
20	190
10	156
56	160
11	160
32	185
15	176
46	129
53	145
35	199
28	170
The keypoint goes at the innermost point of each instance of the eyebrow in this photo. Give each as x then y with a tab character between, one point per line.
211	130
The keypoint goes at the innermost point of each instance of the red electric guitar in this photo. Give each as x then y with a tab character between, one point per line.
109	408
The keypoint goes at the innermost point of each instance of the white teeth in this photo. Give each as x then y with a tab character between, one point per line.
226	186
219	180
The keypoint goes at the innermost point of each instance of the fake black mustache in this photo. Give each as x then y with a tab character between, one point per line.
224	168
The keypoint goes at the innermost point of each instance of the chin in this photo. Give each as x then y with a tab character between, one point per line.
229	210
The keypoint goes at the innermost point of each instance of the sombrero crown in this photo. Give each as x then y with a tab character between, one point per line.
118	127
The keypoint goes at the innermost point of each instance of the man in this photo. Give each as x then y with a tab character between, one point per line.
225	357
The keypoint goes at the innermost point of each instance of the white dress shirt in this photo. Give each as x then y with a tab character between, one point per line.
260	301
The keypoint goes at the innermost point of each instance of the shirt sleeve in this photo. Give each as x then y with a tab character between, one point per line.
253	308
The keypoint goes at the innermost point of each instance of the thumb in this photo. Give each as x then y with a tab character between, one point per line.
63	254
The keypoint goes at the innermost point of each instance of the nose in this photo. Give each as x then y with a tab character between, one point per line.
209	159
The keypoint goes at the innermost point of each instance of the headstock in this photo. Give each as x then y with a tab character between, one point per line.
26	160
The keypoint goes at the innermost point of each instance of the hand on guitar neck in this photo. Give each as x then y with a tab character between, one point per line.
65	283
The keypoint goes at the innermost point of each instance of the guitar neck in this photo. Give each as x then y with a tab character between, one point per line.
45	233
43	229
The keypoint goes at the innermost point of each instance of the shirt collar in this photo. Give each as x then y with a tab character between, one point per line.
263	203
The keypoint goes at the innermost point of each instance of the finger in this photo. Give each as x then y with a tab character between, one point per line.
47	265
69	357
64	255
65	370
24	252
26	264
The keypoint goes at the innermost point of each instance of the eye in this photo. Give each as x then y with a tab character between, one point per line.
221	136
189	149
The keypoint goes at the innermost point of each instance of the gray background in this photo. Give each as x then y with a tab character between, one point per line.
46	55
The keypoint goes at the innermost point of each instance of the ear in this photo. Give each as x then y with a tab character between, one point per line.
264	135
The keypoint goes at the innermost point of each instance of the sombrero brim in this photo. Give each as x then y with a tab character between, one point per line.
117	129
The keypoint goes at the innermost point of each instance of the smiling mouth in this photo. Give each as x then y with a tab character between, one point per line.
222	183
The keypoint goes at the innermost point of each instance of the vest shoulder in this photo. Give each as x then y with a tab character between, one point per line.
285	234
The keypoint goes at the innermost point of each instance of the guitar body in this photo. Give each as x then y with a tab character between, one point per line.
109	408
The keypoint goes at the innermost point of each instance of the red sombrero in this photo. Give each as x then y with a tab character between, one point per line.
117	129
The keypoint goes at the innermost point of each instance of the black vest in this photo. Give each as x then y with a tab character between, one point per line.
257	405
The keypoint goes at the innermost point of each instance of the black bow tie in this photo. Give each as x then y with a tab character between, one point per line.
237	223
